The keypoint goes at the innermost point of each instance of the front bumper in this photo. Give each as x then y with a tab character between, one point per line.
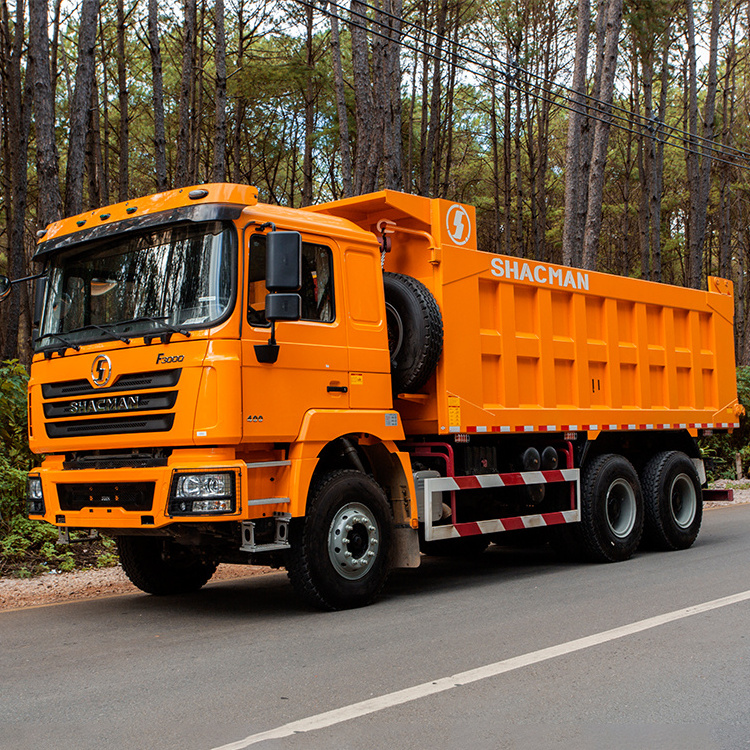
139	498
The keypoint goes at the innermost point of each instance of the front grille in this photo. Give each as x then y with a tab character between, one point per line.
113	459
127	495
111	405
84	427
134	381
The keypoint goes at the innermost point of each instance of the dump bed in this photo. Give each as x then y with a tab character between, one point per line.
536	347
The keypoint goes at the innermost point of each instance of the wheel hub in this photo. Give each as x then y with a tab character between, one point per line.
684	501
621	508
353	540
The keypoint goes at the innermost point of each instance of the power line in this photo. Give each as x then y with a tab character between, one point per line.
596	109
600	105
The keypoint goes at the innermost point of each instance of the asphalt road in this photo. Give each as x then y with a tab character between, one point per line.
494	654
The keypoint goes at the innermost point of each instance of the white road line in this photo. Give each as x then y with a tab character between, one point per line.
355	710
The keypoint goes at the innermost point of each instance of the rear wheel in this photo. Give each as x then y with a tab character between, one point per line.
674	503
158	566
339	554
611	509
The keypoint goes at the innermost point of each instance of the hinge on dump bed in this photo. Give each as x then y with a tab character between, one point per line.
281	536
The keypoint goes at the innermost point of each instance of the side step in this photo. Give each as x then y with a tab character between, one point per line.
281	537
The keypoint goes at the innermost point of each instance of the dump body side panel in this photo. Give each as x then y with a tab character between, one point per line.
535	347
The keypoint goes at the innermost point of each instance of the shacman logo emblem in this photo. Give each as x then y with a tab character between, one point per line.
101	371
458	224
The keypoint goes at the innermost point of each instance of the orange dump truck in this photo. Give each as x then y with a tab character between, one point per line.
334	389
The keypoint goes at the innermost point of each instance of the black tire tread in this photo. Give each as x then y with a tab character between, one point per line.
413	378
658	533
141	560
593	546
299	568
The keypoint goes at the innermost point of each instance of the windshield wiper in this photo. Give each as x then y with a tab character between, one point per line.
106	329
148	338
68	344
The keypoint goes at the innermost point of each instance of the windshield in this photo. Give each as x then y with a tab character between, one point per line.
134	284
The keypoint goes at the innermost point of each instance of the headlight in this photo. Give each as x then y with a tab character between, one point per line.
203	485
212	492
34	497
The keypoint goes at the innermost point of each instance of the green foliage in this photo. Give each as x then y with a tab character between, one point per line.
14	424
719	450
29	547
15	457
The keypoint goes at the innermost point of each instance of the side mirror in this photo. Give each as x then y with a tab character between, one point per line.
283	307
283	261
5	287
283	280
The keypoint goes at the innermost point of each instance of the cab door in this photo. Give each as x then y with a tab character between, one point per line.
311	371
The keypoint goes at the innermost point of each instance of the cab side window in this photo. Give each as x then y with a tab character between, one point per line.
317	283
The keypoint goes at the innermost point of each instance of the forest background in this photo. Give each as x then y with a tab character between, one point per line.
611	136
607	135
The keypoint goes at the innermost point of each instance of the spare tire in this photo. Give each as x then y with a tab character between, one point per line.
415	331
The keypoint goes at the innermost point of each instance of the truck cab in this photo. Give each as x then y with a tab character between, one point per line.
153	397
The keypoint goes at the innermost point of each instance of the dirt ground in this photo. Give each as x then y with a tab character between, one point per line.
52	588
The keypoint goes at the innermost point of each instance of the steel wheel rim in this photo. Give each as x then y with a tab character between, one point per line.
353	539
621	508
683	501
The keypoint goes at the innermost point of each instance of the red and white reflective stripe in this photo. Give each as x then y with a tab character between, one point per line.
434	485
505	524
478	429
512	479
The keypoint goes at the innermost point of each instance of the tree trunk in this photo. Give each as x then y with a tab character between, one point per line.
79	109
495	164
219	171
575	206
17	104
601	138
160	139
309	94
658	177
507	195
182	163
122	97
699	191
104	182
725	189
94	160
449	106
345	151
369	131
432	132
48	169
392	161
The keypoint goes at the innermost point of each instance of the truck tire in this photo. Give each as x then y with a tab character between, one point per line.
157	566
611	509
339	551
415	331
673	500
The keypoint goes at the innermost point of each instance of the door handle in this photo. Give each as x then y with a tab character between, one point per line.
337	389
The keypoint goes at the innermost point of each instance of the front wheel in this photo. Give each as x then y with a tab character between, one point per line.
158	566
674	503
339	553
611	509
